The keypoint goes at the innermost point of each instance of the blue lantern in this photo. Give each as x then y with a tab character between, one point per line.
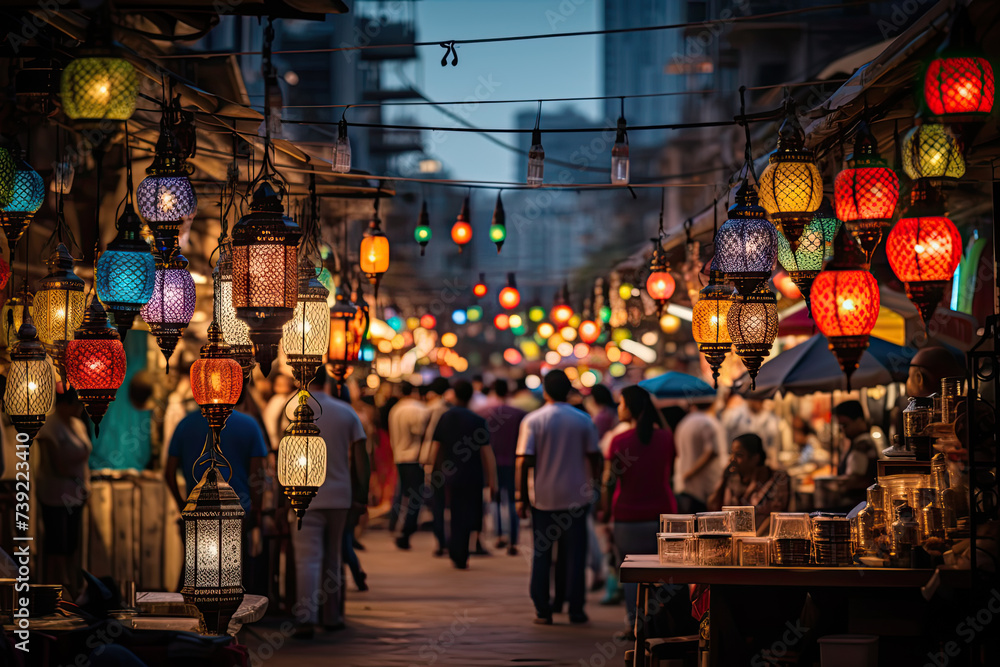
25	197
126	271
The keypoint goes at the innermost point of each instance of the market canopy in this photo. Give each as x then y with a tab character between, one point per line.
675	385
810	367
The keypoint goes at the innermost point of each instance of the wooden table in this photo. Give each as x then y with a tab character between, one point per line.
251	610
645	570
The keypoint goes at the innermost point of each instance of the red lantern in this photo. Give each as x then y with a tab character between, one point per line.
480	289
561	311
501	321
924	250
589	331
660	284
866	193
216	381
428	321
461	231
509	297
959	86
845	303
95	362
4	273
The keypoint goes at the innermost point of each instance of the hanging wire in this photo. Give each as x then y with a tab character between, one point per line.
747	151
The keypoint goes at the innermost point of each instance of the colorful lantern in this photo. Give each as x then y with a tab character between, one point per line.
924	249
12	312
306	336
501	321
301	458
509	297
98	86
752	322
660	284
931	150
216	382
343	350
422	234
22	200
589	331
126	271
4	273
235	331
791	187
166	197
845	303
480	289
59	306
265	272
958	83
709	325
170	308
374	254
746	244
7	171
805	263
30	391
498	230
95	362
866	192
461	231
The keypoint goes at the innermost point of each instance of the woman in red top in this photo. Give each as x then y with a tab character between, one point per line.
637	476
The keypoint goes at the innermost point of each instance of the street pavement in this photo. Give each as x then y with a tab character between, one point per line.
420	611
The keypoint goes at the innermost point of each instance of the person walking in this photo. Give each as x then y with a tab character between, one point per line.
463	460
637	475
701	447
558	444
504	424
319	543
407	425
437	404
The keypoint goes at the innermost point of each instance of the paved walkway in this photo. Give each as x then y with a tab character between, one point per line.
421	611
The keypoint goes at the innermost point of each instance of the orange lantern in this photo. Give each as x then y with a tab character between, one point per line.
216	381
461	231
501	321
374	256
428	321
589	331
509	297
561	311
480	289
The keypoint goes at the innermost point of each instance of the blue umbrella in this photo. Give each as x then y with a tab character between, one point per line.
677	385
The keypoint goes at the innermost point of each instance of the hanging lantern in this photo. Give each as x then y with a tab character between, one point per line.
235	331
95	362
931	150
866	192
501	321
170	308
536	156
98	86
4	273
660	284
126	272
307	335
805	263
791	187
422	234
213	550
752	322
709	321
746	244
498	230
343	350
265	272
23	199
619	154
361	322
958	83
166	197
59	305
301	458
12	313
374	254
561	311
216	382
845	303
7	171
461	231
924	249
509	297
589	331
480	289
30	391
341	161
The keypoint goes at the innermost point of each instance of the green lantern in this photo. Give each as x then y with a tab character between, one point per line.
498	230
422	234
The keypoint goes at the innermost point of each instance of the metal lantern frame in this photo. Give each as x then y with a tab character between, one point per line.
301	463
235	331
59	306
806	262
167	181
216	382
709	321
95	362
167	319
660	284
866	193
30	390
342	351
373	255
22	200
752	322
12	314
958	83
931	150
746	243
306	337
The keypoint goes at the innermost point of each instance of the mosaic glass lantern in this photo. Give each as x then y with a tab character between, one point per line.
660	284
845	303
931	150
166	197
498	229
301	462
265	272
25	196
746	244
7	170
924	249
213	550
12	313
98	86
461	231
59	306
95	362
374	253
805	263
866	193
306	336
30	391
752	322
235	331
126	271
958	82
216	382
709	325
422	234
509	297
343	349
791	187
170	308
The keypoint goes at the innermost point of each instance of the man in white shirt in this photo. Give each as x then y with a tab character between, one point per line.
702	452
407	426
559	443
318	543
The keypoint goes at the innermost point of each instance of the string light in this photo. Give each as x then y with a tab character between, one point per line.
461	231
498	229
341	161
619	152
422	234
480	289
536	154
509	297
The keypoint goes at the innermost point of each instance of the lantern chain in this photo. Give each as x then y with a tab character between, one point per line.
747	151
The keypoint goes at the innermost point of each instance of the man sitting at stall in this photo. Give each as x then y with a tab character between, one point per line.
750	481
858	455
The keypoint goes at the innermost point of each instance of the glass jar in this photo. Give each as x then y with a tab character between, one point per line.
754	551
715	549
916	417
951	395
677	523
677	549
905	535
714	522
742	519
